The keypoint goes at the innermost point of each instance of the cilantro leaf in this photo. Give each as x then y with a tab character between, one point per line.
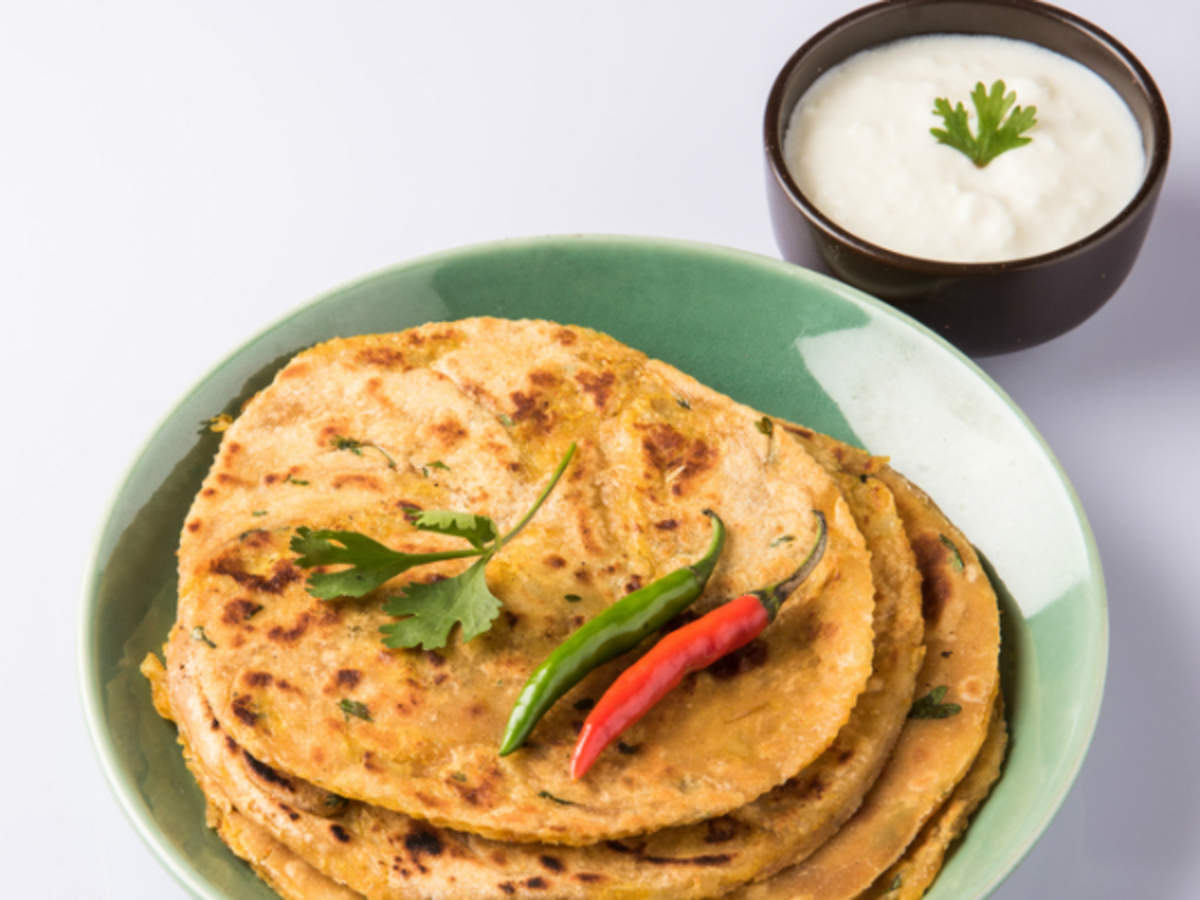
371	563
994	134
354	708
430	610
956	560
479	530
340	442
931	706
546	795
355	446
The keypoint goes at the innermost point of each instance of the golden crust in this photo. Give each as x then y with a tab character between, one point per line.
286	872
497	403
962	640
911	877
690	861
732	779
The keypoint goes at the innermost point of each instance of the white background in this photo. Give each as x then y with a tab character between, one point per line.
176	175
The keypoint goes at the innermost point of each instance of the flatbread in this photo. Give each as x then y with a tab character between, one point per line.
752	770
294	879
287	873
387	855
911	877
496	403
932	755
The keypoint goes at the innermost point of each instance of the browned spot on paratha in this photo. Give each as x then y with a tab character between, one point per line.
240	610
532	408
933	556
243	708
449	432
266	773
384	357
283	574
357	480
598	385
293	633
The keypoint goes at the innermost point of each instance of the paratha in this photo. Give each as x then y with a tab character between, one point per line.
754	769
933	754
495	403
286	872
388	855
295	879
911	877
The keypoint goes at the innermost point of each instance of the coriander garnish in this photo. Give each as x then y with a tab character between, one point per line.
931	706
355	446
292	479
199	635
956	560
354	708
436	464
335	801
428	611
765	426
994	135
782	539
546	795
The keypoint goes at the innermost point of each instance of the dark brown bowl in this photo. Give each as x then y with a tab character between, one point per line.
983	308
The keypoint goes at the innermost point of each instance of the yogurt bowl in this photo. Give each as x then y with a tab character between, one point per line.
1001	304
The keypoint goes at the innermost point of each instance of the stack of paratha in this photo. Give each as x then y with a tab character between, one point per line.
837	755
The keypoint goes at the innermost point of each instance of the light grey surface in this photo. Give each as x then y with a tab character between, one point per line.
175	176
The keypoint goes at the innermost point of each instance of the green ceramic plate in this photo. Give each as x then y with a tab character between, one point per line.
777	337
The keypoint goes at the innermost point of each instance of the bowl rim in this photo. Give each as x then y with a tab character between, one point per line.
1159	139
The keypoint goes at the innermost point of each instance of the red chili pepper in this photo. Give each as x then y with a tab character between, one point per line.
687	649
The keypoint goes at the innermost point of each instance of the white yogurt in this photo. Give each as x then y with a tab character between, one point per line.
859	147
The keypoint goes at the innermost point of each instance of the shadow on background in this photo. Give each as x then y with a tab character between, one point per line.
1134	812
1148	326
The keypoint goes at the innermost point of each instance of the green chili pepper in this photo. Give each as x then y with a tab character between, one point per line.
618	629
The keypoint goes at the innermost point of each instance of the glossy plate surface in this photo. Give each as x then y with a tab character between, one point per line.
780	338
